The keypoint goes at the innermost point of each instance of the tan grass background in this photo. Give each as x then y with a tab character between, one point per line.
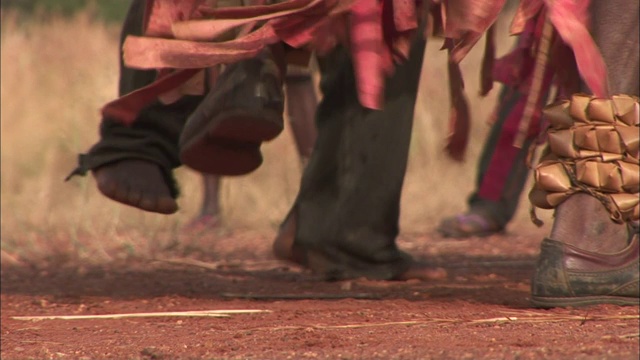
57	73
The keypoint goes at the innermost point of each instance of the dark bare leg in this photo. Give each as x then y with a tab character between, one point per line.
211	199
301	107
589	259
209	216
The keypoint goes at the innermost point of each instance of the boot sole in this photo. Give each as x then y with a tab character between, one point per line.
246	126
230	145
552	302
222	157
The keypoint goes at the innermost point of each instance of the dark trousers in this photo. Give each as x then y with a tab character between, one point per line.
349	201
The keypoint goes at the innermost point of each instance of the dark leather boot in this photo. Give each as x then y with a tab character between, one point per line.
568	276
243	109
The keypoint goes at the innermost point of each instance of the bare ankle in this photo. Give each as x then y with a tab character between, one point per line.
582	221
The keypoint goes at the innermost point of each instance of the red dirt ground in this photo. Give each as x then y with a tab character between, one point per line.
475	307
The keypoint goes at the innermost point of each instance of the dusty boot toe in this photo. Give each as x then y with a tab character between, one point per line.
569	276
136	183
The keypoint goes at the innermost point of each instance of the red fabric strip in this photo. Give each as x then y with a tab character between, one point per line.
161	14
570	18
459	119
504	155
367	51
240	12
126	108
502	161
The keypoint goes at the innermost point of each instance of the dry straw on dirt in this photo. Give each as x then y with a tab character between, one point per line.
55	76
195	313
525	317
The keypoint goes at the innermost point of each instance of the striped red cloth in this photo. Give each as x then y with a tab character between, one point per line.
181	35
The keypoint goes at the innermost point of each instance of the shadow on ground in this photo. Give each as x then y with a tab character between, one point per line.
496	280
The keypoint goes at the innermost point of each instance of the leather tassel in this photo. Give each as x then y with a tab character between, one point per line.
459	119
488	60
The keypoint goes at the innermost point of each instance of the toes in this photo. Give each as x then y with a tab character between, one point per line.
158	201
166	205
106	184
148	203
158	197
134	196
136	183
121	193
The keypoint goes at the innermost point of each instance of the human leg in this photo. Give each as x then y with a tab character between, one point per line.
502	174
301	107
133	164
344	221
588	258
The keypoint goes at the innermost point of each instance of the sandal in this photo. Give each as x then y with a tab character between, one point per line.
468	225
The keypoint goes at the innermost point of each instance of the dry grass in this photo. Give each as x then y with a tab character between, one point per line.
55	76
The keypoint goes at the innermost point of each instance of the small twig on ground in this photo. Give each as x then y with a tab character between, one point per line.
262	265
205	313
454	321
584	321
192	262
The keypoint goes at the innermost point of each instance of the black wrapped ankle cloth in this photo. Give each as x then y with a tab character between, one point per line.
133	164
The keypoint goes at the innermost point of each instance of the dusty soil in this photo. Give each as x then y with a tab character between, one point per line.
475	307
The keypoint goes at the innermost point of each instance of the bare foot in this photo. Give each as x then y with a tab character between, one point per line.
284	244
136	183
